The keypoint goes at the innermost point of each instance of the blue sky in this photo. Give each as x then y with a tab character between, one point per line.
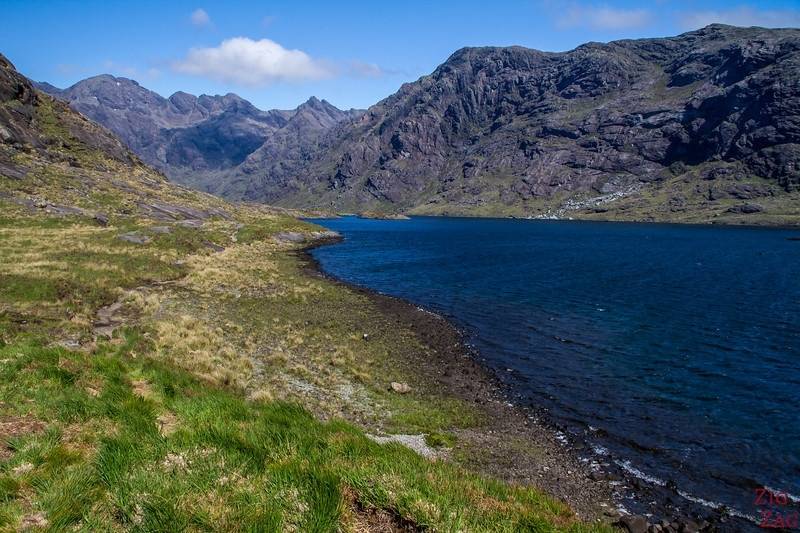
278	53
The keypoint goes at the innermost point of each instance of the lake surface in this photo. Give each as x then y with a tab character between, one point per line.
673	350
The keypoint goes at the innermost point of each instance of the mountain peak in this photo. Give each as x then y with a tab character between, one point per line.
315	103
109	78
47	88
319	108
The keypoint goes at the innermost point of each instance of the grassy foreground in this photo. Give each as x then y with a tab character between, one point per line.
196	413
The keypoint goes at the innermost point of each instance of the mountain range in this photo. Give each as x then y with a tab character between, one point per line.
702	126
194	140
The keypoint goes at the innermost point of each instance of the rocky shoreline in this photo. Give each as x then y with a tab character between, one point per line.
550	460
456	372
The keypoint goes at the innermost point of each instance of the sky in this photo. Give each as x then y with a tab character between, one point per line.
279	53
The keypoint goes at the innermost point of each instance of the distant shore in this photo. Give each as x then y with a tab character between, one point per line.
756	222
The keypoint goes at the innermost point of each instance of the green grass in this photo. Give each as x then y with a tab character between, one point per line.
129	433
101	462
57	272
260	230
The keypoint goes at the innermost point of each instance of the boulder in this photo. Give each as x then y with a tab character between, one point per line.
746	209
292	237
633	524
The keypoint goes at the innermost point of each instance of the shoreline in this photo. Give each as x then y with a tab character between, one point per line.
596	487
495	448
706	224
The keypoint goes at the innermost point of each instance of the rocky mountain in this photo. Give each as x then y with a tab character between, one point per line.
194	140
285	154
691	127
30	131
705	125
56	161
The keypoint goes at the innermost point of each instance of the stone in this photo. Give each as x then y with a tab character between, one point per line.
597	476
633	524
69	344
746	209
134	237
290	237
101	219
747	191
162	230
191	223
9	170
166	211
400	388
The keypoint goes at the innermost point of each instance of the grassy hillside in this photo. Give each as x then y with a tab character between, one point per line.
684	199
168	364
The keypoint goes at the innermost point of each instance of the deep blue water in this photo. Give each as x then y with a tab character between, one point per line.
675	348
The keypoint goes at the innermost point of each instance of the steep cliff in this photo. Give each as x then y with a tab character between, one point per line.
703	124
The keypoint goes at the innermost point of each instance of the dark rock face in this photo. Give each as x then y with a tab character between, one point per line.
16	120
508	126
23	128
747	209
193	140
168	132
55	161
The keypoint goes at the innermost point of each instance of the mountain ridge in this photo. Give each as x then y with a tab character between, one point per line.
696	127
192	139
679	128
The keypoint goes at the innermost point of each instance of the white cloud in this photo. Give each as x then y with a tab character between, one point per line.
741	16
200	18
253	63
604	18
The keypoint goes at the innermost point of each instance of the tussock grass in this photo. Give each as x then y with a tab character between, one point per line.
190	343
227	464
219	403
